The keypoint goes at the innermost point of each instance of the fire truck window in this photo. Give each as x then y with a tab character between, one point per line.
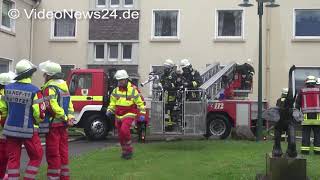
73	84
85	81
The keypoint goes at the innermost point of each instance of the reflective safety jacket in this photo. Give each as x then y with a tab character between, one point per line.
3	112
25	109
58	104
126	102
309	102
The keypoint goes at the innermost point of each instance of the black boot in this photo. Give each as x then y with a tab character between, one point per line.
127	156
277	152
292	149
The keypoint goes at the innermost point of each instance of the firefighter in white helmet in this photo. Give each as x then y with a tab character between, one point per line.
308	102
59	116
192	78
126	102
169	83
5	79
25	111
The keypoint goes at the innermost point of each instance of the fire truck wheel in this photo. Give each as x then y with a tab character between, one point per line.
219	126
96	127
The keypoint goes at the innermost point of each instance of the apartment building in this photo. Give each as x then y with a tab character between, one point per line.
204	32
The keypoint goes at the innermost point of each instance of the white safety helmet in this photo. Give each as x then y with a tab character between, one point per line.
50	68
318	81
311	80
7	78
121	74
24	66
184	63
168	63
284	91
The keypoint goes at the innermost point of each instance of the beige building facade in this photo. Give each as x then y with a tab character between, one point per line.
204	32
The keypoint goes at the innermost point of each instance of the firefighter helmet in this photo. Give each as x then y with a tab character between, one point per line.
284	91
50	68
318	81
311	80
168	63
121	74
184	63
24	68
7	78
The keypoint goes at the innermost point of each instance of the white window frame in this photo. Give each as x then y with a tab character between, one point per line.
114	6
101	6
95	53
12	21
216	24
130	5
113	59
169	38
52	37
294	37
122	50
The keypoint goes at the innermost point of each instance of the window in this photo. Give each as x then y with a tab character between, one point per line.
128	2
229	24
166	23
114	3
4	65
127	52
113	52
99	51
307	23
64	27
79	82
6	22
101	3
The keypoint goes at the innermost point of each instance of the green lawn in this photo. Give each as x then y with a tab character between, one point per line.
180	160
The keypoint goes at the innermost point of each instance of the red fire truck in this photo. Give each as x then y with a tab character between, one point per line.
223	104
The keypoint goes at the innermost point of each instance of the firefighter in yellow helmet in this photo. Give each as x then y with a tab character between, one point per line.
58	116
5	79
125	100
25	111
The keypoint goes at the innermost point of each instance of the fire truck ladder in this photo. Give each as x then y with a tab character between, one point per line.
210	71
213	85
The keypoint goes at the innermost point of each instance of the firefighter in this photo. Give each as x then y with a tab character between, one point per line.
192	77
25	111
125	101
59	116
308	102
168	81
285	123
5	79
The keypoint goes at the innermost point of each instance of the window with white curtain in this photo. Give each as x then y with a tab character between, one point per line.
64	27
166	23
229	24
307	23
6	22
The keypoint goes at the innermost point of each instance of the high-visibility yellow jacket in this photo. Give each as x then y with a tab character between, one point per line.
59	115
126	102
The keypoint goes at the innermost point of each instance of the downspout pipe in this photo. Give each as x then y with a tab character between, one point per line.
35	6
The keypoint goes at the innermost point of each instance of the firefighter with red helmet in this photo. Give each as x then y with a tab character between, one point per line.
308	102
25	111
125	101
59	116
